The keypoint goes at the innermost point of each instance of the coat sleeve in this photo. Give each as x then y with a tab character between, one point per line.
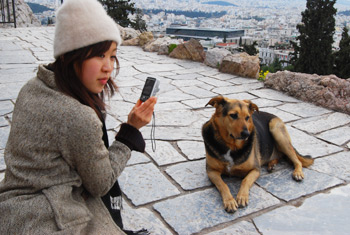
82	146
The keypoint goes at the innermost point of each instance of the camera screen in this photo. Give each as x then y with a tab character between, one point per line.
148	87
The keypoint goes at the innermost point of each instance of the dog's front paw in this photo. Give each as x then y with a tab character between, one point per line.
242	199
298	175
230	205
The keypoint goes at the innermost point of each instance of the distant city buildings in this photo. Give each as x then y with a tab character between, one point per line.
271	23
187	33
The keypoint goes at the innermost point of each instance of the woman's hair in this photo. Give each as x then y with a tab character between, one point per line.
68	82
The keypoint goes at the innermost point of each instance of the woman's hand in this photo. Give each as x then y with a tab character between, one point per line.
141	113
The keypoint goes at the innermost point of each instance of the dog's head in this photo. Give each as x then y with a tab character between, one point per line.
233	118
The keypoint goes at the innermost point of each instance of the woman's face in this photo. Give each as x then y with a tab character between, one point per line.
96	71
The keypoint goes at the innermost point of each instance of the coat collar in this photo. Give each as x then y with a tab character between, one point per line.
46	76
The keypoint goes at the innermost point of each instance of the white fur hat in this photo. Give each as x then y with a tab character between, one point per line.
80	23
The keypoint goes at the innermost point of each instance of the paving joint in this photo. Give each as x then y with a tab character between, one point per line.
168	192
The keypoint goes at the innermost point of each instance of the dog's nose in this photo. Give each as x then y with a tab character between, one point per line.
245	133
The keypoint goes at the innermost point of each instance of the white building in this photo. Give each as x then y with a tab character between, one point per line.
268	55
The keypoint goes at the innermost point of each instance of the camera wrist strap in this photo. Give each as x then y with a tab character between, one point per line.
153	131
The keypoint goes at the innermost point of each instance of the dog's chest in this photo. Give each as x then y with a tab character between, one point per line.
237	167
229	160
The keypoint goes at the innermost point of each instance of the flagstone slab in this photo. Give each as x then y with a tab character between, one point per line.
337	165
17	57
190	66
2	161
325	213
172	106
273	95
10	90
229	89
192	149
225	76
4	134
285	116
3	122
137	158
142	218
2	176
111	122
176	118
172	133
338	136
243	80
198	92
149	68
128	71
283	186
196	103
174	96
118	108
214	82
210	73
7	45
144	183
241	96
20	77
244	227
164	153
309	145
130	82
190	175
323	123
304	109
194	212
185	77
186	83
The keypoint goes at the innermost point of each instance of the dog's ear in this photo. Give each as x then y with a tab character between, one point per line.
218	100
252	107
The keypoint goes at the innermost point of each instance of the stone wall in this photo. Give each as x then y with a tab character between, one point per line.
327	91
24	15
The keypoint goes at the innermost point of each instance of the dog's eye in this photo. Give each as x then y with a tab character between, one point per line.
234	116
247	118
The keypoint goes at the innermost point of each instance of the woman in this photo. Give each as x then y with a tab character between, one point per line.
57	156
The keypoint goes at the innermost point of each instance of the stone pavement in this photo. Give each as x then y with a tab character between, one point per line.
168	191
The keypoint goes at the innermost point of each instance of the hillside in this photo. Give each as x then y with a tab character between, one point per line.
37	8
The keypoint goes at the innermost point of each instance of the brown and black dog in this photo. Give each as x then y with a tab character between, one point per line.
239	140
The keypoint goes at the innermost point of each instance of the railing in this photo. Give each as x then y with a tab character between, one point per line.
5	13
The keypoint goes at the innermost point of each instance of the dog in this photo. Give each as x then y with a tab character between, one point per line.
239	140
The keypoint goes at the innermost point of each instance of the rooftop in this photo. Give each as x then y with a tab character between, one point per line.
168	191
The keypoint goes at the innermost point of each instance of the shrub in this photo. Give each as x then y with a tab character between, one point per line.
172	47
262	75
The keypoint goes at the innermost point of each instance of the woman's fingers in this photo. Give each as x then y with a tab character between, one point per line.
141	114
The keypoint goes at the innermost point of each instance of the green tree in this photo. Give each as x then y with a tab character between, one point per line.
273	67
342	57
139	23
251	49
119	10
314	52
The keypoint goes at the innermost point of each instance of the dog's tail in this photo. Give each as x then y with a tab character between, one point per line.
306	161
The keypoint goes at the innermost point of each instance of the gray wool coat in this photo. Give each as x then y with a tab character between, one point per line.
55	153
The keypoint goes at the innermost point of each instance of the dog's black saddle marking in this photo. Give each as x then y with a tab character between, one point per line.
266	142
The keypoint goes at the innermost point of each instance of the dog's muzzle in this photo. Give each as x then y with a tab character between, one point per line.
244	135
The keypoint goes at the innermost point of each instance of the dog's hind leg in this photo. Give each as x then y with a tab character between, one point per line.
230	203
284	144
271	165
